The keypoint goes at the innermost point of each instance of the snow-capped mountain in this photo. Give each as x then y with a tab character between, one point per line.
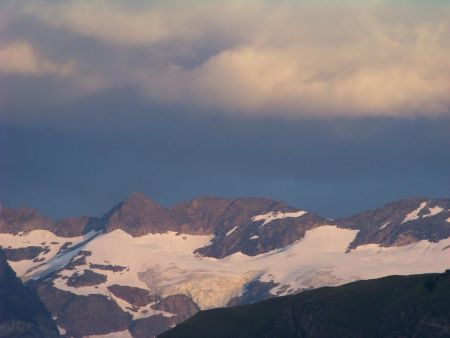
142	268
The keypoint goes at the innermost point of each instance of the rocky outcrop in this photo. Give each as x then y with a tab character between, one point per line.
255	291
151	326
79	315
87	278
21	220
253	238
133	295
27	253
22	314
402	222
181	305
139	215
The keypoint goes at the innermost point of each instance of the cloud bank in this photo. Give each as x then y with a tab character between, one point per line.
256	58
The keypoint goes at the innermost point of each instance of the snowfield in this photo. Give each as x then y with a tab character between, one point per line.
165	264
47	261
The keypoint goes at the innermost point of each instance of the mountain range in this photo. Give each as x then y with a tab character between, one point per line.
141	268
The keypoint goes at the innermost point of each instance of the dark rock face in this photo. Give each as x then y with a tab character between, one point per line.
255	291
133	295
78	260
388	226
76	226
93	315
25	219
219	215
97	314
210	215
108	267
22	314
87	278
83	315
151	327
29	252
181	305
396	306
252	238
139	216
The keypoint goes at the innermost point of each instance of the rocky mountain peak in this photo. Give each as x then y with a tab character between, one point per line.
401	222
22	219
140	200
139	215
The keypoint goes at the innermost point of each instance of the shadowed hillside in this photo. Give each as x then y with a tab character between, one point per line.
396	306
22	314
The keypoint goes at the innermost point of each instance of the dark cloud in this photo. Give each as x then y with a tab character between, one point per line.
335	167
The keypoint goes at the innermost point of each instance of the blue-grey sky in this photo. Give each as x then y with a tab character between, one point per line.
330	106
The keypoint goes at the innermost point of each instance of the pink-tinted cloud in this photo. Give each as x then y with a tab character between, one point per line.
289	59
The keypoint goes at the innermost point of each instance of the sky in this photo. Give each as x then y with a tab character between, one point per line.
334	107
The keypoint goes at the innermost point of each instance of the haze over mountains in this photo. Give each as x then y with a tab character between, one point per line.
141	268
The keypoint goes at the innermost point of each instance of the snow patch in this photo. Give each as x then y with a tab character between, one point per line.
271	216
384	225
121	334
415	213
48	261
433	211
231	231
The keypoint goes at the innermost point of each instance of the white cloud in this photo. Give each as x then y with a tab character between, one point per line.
20	58
297	59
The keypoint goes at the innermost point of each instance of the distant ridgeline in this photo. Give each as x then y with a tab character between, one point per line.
141	268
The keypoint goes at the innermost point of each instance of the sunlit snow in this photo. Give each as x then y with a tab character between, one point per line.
270	216
165	264
48	261
121	334
434	211
231	231
384	225
415	213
